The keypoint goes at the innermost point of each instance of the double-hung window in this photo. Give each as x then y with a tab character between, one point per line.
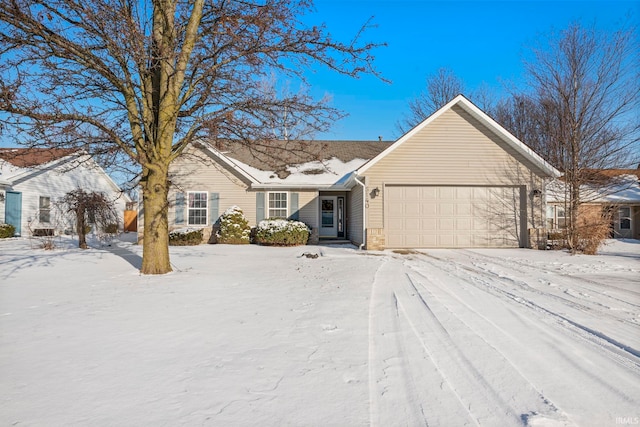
556	217
551	217
277	207
624	213
44	206
561	217
197	208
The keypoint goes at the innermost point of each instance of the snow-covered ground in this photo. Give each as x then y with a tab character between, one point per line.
249	335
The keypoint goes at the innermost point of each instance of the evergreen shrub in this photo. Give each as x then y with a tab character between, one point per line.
281	232
185	237
7	230
234	227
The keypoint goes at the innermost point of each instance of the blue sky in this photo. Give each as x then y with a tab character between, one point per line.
483	42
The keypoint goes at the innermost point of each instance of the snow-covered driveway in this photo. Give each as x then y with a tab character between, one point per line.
242	336
474	338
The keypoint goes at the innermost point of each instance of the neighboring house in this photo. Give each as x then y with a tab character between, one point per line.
32	180
458	179
618	194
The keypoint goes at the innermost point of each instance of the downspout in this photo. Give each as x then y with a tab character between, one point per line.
364	213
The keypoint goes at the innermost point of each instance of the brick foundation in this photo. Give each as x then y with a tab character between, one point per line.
375	239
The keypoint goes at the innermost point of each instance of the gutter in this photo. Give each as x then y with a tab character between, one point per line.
328	187
364	212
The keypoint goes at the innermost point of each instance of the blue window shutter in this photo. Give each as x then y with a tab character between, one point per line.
293	206
259	207
214	207
179	208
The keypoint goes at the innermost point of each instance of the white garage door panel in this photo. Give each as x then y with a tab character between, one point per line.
453	217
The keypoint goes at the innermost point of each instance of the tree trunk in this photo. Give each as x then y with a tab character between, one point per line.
574	203
81	228
155	253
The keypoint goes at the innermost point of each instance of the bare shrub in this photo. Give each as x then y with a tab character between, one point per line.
594	226
47	245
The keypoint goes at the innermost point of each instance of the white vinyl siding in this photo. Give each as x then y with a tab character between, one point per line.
55	183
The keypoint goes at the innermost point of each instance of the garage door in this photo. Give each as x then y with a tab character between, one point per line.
452	217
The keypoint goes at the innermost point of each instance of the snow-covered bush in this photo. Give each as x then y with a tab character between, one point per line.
281	232
6	230
185	237
234	227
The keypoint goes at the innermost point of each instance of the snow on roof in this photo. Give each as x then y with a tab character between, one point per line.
621	189
14	161
319	172
7	170
298	163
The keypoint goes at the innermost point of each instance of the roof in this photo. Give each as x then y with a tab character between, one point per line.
29	157
297	163
277	155
19	164
621	187
611	173
483	118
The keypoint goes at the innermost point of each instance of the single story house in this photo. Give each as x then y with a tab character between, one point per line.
617	193
458	179
32	180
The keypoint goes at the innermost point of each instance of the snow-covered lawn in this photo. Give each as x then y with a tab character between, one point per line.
249	335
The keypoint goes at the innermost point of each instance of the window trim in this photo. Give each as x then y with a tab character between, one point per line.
268	207
42	209
205	208
555	218
622	218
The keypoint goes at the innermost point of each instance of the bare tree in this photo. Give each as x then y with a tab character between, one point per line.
441	88
533	121
582	114
89	207
144	78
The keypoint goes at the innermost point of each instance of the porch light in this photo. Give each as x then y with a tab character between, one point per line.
375	192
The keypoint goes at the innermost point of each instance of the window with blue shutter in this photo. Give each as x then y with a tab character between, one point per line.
259	207
179	208
214	207
293	206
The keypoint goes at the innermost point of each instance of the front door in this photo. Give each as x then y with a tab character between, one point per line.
13	210
328	223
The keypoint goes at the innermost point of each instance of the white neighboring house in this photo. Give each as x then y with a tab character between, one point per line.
620	195
32	180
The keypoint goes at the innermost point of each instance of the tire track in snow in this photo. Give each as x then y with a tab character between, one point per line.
482	325
421	373
597	337
393	395
562	278
608	390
